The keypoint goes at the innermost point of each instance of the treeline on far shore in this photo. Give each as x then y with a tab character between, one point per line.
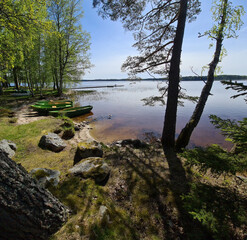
219	78
186	78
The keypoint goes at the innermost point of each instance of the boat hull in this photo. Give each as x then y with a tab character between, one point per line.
54	102
44	109
72	112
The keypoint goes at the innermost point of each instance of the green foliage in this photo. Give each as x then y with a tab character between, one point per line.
233	20
41	42
19	22
241	88
216	159
67	46
236	131
217	209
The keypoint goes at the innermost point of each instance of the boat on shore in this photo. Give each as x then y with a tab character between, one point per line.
21	93
44	109
71	112
54	102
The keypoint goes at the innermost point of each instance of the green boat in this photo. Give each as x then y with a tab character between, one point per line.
44	109
54	102
72	112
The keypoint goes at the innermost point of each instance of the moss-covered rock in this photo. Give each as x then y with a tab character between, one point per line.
93	167
86	150
45	177
68	133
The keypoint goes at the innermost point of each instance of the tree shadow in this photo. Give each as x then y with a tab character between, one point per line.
180	185
148	165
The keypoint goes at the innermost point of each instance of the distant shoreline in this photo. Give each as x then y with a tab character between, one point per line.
186	78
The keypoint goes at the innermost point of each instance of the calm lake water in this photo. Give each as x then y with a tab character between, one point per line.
120	113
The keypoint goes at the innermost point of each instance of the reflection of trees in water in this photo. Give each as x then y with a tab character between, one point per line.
161	97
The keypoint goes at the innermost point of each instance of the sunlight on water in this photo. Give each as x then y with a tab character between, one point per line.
120	113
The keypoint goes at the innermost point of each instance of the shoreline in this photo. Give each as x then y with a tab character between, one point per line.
26	115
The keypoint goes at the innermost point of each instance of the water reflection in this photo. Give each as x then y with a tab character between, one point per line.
131	119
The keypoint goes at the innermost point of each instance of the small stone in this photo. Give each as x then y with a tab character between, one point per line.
103	215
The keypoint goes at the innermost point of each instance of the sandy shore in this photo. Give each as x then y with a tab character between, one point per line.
26	115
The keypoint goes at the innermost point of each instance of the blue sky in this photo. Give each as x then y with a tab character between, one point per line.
112	44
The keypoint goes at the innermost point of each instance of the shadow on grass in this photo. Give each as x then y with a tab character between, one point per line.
151	172
180	185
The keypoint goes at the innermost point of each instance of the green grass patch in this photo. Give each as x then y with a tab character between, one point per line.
27	137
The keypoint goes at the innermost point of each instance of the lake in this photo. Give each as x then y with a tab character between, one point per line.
120	113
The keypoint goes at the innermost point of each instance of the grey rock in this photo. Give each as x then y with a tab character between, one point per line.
8	147
93	167
68	134
135	143
45	177
52	142
86	150
103	215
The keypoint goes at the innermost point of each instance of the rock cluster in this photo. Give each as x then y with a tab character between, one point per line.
79	126
134	143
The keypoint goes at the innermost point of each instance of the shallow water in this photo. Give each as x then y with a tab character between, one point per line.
120	113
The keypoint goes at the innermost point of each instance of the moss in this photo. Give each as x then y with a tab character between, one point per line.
83	145
13	120
40	174
27	137
4	112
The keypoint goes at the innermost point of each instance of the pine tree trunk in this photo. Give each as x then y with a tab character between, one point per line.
169	130
27	211
184	137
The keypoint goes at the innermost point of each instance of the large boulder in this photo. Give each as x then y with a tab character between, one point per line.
27	211
52	142
8	147
86	150
93	167
45	177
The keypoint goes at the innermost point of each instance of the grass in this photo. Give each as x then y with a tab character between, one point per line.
27	137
